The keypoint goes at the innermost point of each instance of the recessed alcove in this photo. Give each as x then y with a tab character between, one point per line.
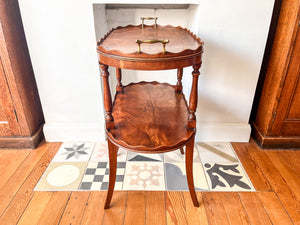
108	16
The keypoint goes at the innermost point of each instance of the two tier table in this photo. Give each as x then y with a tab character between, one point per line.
150	117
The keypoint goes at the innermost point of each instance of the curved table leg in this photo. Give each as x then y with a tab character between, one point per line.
113	150
189	151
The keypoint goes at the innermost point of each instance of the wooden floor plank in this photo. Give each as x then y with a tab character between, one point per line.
115	214
19	202
17	179
75	208
293	157
234	208
175	208
278	183
35	208
290	176
215	211
136	208
254	172
55	208
10	160
94	212
254	208
274	209
195	215
155	208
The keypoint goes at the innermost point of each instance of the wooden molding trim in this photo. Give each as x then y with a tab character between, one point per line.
270	142
29	142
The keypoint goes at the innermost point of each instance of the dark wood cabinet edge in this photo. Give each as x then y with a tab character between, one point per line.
19	72
26	142
274	142
266	107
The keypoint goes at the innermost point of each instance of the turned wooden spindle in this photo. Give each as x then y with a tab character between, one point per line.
178	87
193	97
119	87
107	97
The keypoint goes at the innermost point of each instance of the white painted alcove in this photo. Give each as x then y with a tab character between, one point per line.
61	37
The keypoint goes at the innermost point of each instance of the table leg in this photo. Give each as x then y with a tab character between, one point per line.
113	150
181	151
189	151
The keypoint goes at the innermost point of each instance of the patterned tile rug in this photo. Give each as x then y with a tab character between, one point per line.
84	166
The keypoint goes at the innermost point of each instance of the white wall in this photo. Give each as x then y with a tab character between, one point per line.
62	44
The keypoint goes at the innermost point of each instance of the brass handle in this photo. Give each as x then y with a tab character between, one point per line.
149	18
152	41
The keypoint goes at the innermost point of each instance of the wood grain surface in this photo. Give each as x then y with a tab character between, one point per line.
215	210
118	48
74	211
154	111
94	212
54	209
136	210
255	209
123	39
254	172
19	99
9	161
195	215
175	208
276	115
18	68
234	208
116	213
20	200
155	208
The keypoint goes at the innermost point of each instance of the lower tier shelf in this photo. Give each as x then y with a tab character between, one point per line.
150	117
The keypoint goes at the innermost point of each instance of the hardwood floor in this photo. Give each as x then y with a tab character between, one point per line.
275	175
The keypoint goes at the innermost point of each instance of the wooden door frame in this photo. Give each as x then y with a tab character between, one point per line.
275	77
20	79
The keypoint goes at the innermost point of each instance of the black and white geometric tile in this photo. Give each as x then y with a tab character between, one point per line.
227	176
216	167
97	175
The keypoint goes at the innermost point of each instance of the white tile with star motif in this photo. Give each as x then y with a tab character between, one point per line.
74	152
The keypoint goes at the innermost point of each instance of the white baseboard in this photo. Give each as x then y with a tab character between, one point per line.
63	132
223	132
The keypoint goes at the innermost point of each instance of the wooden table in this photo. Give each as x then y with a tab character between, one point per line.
150	117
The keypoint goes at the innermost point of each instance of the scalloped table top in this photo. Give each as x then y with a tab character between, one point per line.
123	40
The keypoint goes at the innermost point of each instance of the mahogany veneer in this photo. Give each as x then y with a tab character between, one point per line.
154	120
150	117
